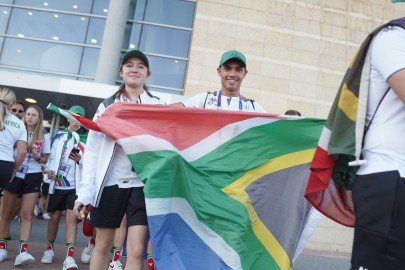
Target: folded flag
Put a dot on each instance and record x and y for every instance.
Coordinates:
(224, 190)
(337, 157)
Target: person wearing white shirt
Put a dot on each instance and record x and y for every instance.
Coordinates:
(232, 71)
(109, 183)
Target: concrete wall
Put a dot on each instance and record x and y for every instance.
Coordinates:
(297, 53)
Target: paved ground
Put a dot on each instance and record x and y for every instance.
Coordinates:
(309, 260)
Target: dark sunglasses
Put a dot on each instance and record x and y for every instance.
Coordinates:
(15, 110)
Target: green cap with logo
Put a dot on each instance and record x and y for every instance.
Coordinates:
(137, 54)
(78, 109)
(233, 55)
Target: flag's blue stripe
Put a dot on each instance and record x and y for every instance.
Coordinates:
(180, 248)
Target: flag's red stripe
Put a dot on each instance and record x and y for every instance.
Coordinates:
(321, 171)
(330, 199)
(81, 147)
(87, 122)
(168, 122)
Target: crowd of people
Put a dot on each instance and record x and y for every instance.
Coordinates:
(102, 176)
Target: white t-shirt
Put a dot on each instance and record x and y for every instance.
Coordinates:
(14, 130)
(209, 100)
(120, 169)
(384, 146)
(43, 146)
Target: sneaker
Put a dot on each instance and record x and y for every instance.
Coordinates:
(40, 216)
(115, 265)
(86, 253)
(36, 210)
(151, 263)
(24, 258)
(3, 254)
(69, 264)
(46, 215)
(48, 256)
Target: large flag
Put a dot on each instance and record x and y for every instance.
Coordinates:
(224, 190)
(337, 157)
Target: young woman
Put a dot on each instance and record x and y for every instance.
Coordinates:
(106, 167)
(27, 181)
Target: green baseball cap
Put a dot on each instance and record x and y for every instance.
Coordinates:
(78, 109)
(232, 55)
(398, 1)
(137, 54)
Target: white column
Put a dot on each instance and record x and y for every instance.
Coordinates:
(110, 53)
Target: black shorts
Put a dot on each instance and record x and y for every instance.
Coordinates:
(45, 189)
(62, 199)
(31, 184)
(114, 203)
(6, 171)
(379, 233)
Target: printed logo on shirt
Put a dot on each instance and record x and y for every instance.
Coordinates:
(12, 123)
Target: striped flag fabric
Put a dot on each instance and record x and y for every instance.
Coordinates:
(338, 154)
(73, 116)
(223, 190)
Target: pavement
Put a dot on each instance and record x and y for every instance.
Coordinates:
(308, 260)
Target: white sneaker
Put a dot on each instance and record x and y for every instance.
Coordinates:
(3, 254)
(46, 215)
(69, 263)
(36, 210)
(48, 256)
(115, 265)
(23, 258)
(86, 253)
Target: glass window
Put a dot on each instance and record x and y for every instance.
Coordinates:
(4, 17)
(43, 56)
(166, 72)
(89, 62)
(82, 6)
(162, 40)
(1, 45)
(48, 25)
(95, 31)
(100, 7)
(170, 12)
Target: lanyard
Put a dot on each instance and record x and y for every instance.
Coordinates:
(219, 101)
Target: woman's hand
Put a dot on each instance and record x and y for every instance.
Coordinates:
(76, 157)
(36, 156)
(78, 210)
(51, 174)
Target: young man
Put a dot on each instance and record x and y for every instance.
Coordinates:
(379, 188)
(65, 170)
(232, 71)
